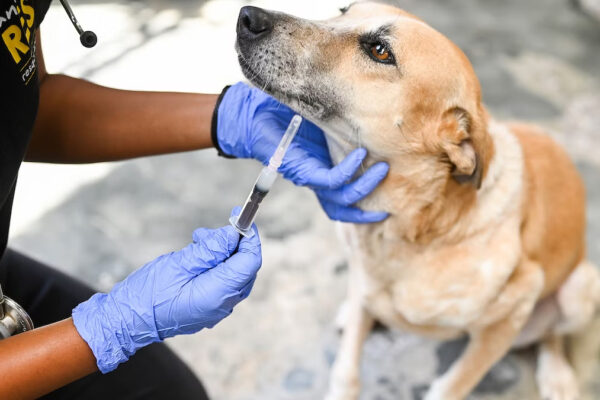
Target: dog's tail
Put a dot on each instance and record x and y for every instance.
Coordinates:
(584, 345)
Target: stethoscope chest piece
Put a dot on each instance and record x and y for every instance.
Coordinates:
(87, 38)
(13, 318)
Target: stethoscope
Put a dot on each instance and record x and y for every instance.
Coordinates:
(87, 38)
(13, 318)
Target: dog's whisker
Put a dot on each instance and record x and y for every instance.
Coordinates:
(359, 139)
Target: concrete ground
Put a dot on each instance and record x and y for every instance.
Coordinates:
(537, 60)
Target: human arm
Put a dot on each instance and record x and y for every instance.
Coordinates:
(81, 122)
(38, 361)
(178, 293)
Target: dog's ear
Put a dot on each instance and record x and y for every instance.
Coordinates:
(455, 135)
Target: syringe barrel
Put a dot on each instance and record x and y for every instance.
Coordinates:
(266, 178)
(246, 218)
(287, 138)
(243, 222)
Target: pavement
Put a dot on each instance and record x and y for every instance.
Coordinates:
(537, 60)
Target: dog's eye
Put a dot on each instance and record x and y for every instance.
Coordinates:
(379, 52)
(344, 10)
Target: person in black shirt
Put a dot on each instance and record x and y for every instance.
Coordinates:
(59, 119)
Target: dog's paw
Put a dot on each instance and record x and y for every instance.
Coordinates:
(557, 381)
(439, 391)
(343, 387)
(560, 389)
(342, 393)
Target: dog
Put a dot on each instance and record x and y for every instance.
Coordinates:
(485, 234)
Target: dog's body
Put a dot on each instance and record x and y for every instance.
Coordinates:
(486, 227)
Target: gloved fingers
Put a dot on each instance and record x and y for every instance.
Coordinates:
(210, 248)
(241, 267)
(302, 155)
(333, 178)
(268, 127)
(309, 142)
(235, 211)
(245, 291)
(239, 295)
(357, 190)
(303, 168)
(351, 214)
(311, 133)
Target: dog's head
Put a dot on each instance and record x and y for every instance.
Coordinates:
(374, 76)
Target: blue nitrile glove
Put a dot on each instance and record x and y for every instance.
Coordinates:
(178, 293)
(249, 123)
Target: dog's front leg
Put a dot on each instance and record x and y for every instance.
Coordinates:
(485, 348)
(345, 380)
(487, 344)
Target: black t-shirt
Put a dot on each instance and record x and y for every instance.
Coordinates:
(19, 94)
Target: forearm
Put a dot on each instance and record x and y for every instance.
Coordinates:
(39, 361)
(81, 122)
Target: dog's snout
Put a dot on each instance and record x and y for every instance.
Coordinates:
(254, 23)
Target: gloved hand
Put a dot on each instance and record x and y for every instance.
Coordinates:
(249, 124)
(178, 293)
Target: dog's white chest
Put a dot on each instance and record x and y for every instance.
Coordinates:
(447, 293)
(451, 286)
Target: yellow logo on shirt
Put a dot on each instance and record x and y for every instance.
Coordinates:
(16, 25)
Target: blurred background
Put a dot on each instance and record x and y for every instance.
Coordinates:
(538, 60)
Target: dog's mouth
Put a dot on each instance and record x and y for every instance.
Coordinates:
(255, 78)
(298, 100)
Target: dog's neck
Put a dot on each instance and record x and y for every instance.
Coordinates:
(426, 204)
(412, 184)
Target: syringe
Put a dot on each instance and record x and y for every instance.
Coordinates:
(243, 222)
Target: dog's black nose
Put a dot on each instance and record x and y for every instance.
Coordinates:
(254, 22)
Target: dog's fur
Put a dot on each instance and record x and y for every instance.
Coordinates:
(486, 229)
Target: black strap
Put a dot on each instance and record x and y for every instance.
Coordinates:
(215, 121)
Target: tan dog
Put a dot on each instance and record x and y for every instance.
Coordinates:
(486, 227)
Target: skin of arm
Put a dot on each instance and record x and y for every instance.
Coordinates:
(81, 122)
(39, 361)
